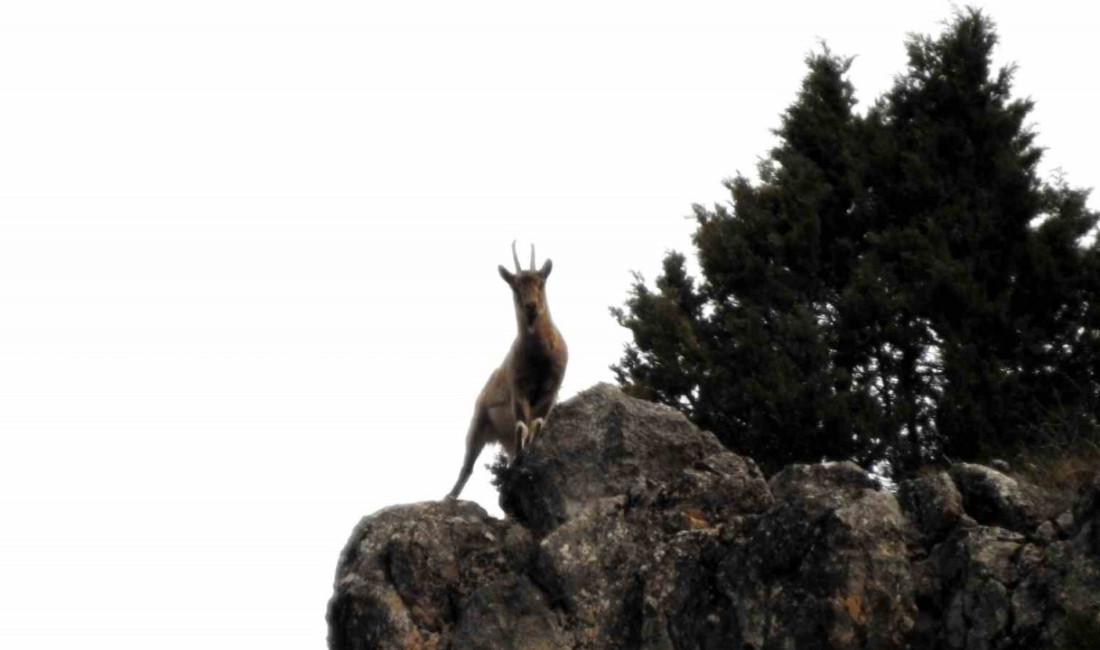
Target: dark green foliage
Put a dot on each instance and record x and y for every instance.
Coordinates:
(899, 285)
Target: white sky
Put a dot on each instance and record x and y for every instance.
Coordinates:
(248, 259)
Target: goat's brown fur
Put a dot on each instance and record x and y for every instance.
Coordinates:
(514, 404)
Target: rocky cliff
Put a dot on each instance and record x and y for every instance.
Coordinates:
(630, 528)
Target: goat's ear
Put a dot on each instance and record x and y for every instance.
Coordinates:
(545, 270)
(504, 273)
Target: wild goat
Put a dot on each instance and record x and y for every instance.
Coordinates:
(513, 406)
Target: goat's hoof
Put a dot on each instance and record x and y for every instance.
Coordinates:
(536, 427)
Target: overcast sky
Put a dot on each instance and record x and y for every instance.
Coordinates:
(248, 258)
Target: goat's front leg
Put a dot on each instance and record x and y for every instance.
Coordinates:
(540, 411)
(522, 410)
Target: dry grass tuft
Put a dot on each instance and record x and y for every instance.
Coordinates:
(1064, 471)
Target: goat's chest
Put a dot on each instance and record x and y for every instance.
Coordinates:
(536, 369)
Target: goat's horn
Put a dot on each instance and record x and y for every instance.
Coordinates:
(515, 258)
(532, 257)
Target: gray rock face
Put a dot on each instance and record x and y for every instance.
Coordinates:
(602, 443)
(630, 528)
(406, 569)
(996, 499)
(934, 504)
(827, 567)
(1086, 518)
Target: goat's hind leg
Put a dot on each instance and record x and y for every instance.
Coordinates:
(475, 442)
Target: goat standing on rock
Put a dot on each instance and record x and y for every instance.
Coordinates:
(513, 406)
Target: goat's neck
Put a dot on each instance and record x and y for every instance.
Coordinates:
(536, 336)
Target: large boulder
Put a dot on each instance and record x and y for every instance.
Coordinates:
(975, 570)
(427, 575)
(602, 443)
(827, 567)
(934, 504)
(996, 499)
(630, 528)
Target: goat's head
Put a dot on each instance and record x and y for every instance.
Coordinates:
(528, 288)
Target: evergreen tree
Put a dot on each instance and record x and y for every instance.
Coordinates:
(897, 286)
(752, 353)
(959, 195)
